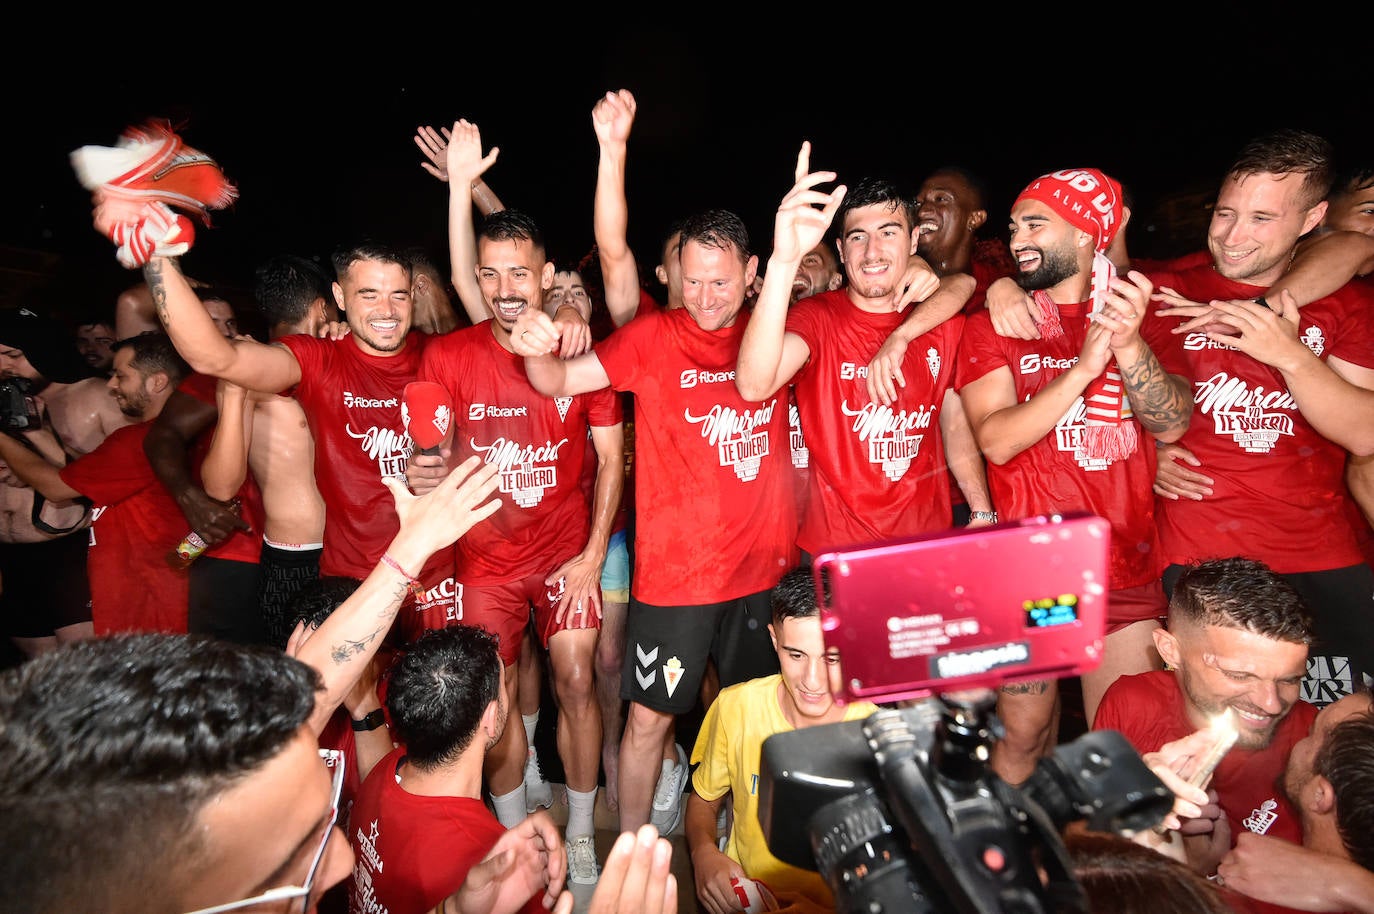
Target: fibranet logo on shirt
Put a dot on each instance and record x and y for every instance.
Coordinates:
(479, 411)
(849, 371)
(1034, 362)
(691, 377)
(353, 401)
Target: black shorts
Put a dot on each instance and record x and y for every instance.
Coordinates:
(222, 600)
(666, 649)
(1341, 601)
(43, 586)
(284, 572)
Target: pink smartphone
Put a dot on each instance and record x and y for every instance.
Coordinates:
(967, 608)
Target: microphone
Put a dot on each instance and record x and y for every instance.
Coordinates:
(427, 414)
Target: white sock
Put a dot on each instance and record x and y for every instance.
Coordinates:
(531, 724)
(510, 807)
(581, 813)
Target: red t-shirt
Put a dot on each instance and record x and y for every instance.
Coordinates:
(1053, 475)
(353, 403)
(715, 517)
(1148, 709)
(242, 545)
(1273, 475)
(541, 445)
(876, 472)
(136, 524)
(414, 851)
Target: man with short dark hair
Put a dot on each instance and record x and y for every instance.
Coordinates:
(136, 522)
(159, 774)
(1235, 645)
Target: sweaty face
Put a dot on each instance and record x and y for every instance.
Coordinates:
(129, 386)
(714, 283)
(810, 673)
(1256, 224)
(1352, 209)
(377, 305)
(568, 289)
(945, 208)
(93, 341)
(819, 269)
(1258, 678)
(1299, 771)
(875, 247)
(1045, 246)
(513, 275)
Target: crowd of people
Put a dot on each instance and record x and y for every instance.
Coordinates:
(411, 503)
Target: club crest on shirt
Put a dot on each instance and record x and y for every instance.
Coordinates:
(933, 361)
(562, 403)
(1260, 820)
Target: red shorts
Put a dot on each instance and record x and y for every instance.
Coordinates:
(504, 610)
(1136, 604)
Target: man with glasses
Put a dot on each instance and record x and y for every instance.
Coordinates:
(160, 774)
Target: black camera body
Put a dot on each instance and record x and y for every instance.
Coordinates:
(899, 812)
(18, 409)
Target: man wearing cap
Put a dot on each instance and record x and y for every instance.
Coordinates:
(46, 596)
(1062, 422)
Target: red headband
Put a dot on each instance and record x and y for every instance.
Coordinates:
(1086, 198)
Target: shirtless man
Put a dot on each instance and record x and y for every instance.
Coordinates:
(46, 596)
(272, 439)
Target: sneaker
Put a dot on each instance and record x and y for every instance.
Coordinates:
(667, 811)
(538, 792)
(582, 866)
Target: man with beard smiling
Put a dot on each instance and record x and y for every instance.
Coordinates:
(350, 390)
(1069, 422)
(136, 522)
(546, 546)
(1236, 643)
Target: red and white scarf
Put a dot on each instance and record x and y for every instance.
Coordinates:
(1090, 201)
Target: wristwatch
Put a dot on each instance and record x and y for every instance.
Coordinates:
(989, 516)
(371, 721)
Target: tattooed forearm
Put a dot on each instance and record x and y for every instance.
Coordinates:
(1158, 399)
(342, 653)
(153, 272)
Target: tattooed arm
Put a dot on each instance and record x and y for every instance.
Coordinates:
(347, 641)
(1162, 402)
(246, 362)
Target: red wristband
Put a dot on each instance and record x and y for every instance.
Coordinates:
(412, 583)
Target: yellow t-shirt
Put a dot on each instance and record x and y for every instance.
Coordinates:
(727, 752)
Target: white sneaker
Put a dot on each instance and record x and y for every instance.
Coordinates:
(667, 810)
(582, 866)
(538, 791)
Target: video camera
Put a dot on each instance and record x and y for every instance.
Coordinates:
(900, 811)
(18, 409)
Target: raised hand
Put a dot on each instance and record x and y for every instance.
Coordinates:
(800, 224)
(612, 117)
(465, 160)
(435, 149)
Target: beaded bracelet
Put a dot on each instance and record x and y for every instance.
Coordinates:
(412, 583)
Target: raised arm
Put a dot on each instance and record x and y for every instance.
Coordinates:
(225, 466)
(465, 165)
(344, 645)
(768, 355)
(435, 149)
(254, 365)
(612, 117)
